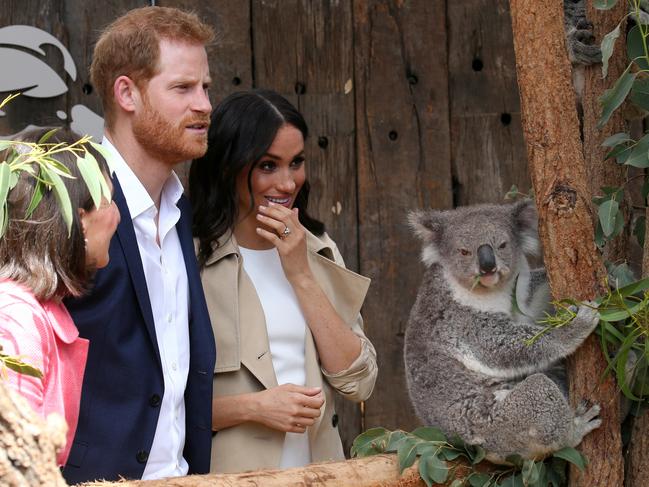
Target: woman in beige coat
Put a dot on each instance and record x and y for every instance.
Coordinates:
(284, 309)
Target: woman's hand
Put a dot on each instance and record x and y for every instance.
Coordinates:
(289, 237)
(289, 407)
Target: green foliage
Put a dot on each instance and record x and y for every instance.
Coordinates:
(17, 365)
(39, 161)
(435, 451)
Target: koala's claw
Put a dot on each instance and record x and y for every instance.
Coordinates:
(589, 414)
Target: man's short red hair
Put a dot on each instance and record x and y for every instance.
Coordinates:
(130, 46)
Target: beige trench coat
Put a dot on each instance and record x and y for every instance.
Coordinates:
(244, 364)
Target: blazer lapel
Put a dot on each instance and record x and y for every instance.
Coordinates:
(128, 242)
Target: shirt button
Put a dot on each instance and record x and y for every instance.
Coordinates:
(169, 318)
(174, 366)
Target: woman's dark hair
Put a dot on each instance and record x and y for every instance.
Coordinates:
(243, 127)
(36, 251)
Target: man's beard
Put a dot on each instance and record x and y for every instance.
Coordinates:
(168, 142)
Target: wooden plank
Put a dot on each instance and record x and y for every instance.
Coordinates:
(84, 22)
(488, 151)
(229, 56)
(45, 15)
(303, 49)
(403, 163)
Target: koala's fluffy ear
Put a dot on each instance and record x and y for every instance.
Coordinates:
(428, 226)
(526, 225)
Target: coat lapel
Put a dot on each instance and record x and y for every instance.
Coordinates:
(246, 340)
(128, 242)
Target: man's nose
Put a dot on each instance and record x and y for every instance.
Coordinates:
(202, 102)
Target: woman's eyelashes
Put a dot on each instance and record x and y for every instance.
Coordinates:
(270, 166)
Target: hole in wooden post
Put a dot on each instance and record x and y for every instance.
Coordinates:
(505, 118)
(393, 135)
(236, 81)
(477, 64)
(86, 88)
(323, 142)
(300, 88)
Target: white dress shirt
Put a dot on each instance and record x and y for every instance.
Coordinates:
(286, 328)
(166, 280)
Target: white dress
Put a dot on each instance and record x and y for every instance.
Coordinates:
(286, 334)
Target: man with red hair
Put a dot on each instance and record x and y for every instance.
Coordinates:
(146, 397)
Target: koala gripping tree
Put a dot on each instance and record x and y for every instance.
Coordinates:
(563, 196)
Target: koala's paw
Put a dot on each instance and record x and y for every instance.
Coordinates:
(587, 316)
(586, 420)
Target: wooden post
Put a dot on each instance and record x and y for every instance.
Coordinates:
(557, 167)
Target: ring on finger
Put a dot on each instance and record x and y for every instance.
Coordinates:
(285, 233)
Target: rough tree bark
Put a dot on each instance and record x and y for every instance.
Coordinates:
(601, 172)
(28, 444)
(562, 192)
(637, 455)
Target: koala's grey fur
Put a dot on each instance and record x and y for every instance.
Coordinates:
(468, 369)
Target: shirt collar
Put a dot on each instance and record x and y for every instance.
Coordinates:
(137, 197)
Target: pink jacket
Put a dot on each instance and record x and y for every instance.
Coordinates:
(44, 335)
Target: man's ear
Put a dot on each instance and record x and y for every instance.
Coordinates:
(126, 93)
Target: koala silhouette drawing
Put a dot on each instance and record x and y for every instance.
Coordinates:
(468, 369)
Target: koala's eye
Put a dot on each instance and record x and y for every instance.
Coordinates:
(464, 251)
(502, 245)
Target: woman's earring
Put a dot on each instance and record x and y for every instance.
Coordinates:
(85, 244)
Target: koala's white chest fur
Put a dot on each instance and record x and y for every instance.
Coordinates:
(499, 301)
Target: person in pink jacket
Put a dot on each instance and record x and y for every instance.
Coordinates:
(40, 263)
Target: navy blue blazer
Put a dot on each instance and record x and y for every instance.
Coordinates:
(123, 383)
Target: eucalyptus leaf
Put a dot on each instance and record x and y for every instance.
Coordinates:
(37, 196)
(457, 483)
(407, 453)
(90, 173)
(621, 274)
(616, 139)
(46, 136)
(17, 365)
(621, 152)
(394, 439)
(613, 97)
(573, 456)
(639, 95)
(479, 455)
(430, 434)
(479, 480)
(608, 43)
(604, 4)
(371, 442)
(6, 143)
(61, 193)
(634, 288)
(531, 472)
(513, 480)
(635, 48)
(607, 213)
(638, 156)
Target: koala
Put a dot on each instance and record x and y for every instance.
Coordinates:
(468, 369)
(582, 48)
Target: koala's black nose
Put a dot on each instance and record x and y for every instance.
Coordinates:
(486, 259)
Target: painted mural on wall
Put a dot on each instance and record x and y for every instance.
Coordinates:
(36, 79)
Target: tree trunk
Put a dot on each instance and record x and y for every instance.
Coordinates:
(600, 172)
(28, 444)
(374, 471)
(637, 455)
(563, 198)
